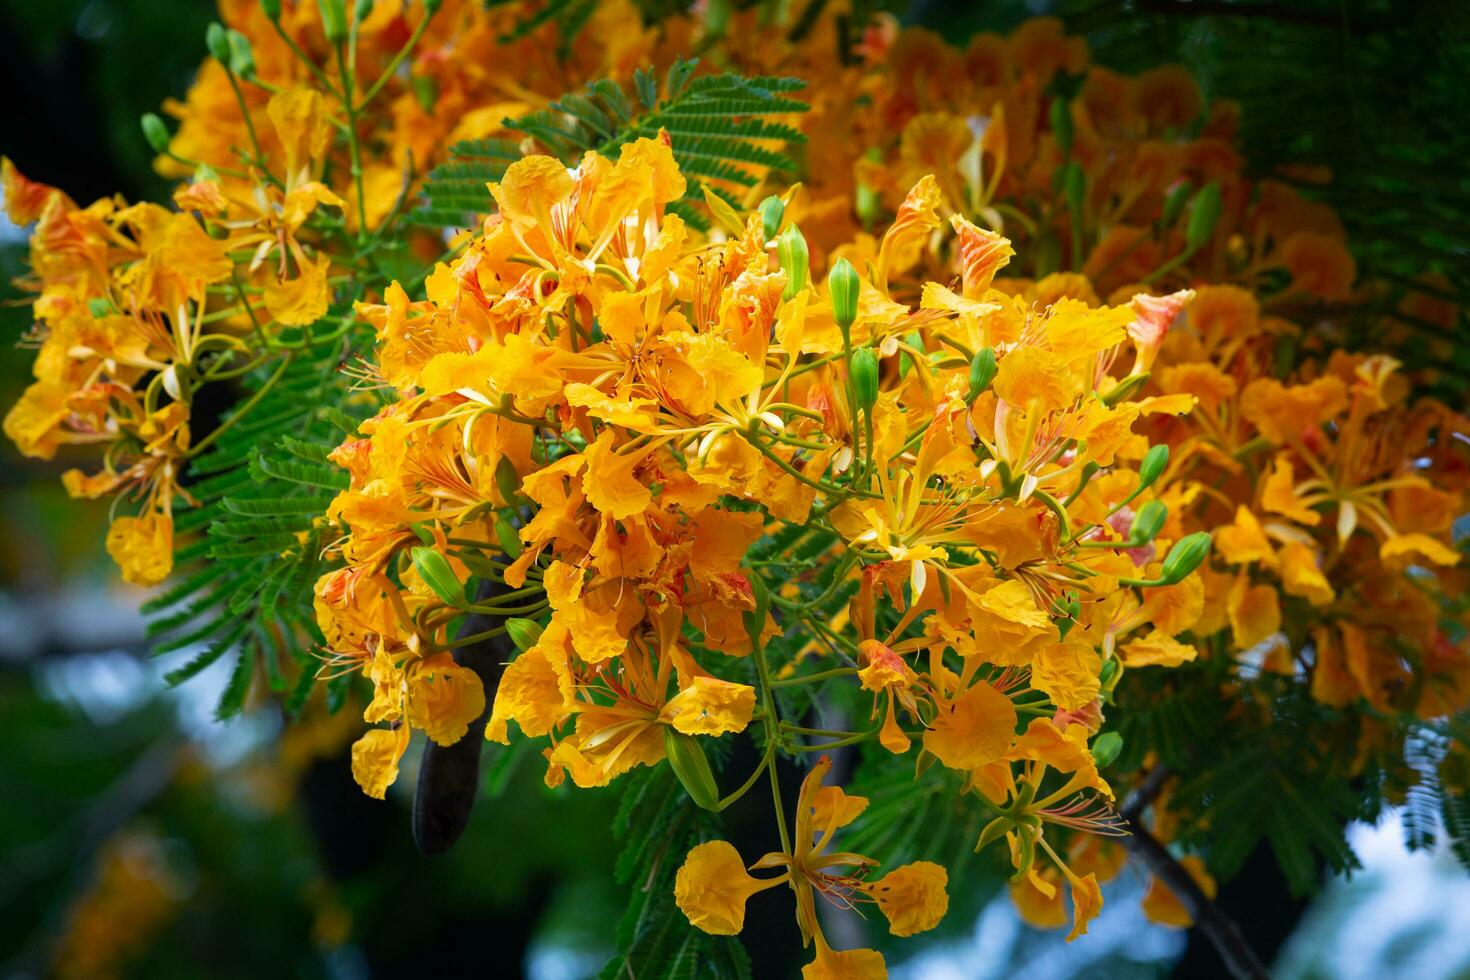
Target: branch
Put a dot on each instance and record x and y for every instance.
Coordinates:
(1209, 918)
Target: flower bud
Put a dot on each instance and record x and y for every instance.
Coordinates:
(242, 59)
(155, 132)
(1152, 467)
(334, 20)
(1106, 747)
(1204, 214)
(361, 10)
(271, 9)
(772, 211)
(434, 569)
(792, 253)
(1061, 124)
(509, 538)
(218, 43)
(843, 287)
(1185, 557)
(431, 7)
(425, 90)
(523, 632)
(507, 480)
(1148, 522)
(982, 372)
(1174, 203)
(864, 369)
(1109, 671)
(99, 307)
(687, 759)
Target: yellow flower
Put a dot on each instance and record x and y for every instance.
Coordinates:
(712, 887)
(143, 547)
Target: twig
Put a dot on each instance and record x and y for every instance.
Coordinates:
(1217, 927)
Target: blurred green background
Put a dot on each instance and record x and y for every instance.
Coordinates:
(140, 837)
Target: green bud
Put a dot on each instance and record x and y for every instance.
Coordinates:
(425, 90)
(866, 204)
(507, 480)
(523, 632)
(772, 211)
(795, 261)
(361, 10)
(1061, 124)
(1185, 556)
(271, 9)
(1106, 747)
(982, 372)
(1204, 215)
(864, 369)
(1109, 671)
(1148, 522)
(687, 759)
(1174, 203)
(434, 569)
(155, 132)
(843, 287)
(242, 59)
(1153, 465)
(334, 20)
(99, 307)
(509, 538)
(431, 7)
(217, 40)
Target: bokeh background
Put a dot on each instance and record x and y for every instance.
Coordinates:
(141, 837)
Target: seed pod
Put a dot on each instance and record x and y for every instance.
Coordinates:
(687, 759)
(1174, 203)
(772, 211)
(271, 9)
(509, 538)
(334, 20)
(1061, 124)
(795, 262)
(218, 43)
(982, 372)
(1204, 214)
(843, 287)
(1105, 748)
(865, 377)
(155, 132)
(523, 632)
(242, 58)
(1152, 467)
(434, 569)
(1185, 556)
(1148, 522)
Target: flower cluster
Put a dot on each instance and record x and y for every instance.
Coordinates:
(600, 414)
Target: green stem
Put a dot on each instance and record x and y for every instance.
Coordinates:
(773, 736)
(813, 678)
(244, 410)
